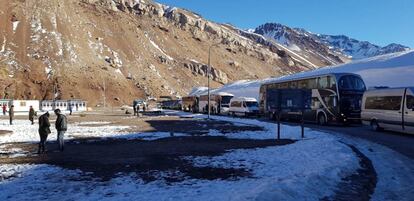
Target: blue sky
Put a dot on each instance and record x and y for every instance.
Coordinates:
(378, 21)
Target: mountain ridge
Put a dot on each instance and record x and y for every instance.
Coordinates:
(342, 44)
(128, 49)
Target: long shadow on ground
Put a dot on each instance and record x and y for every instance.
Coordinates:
(149, 160)
(199, 126)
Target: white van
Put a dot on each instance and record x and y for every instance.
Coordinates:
(243, 106)
(390, 108)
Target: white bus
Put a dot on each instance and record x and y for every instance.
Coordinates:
(389, 108)
(244, 106)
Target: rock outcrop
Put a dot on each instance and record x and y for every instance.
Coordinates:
(134, 48)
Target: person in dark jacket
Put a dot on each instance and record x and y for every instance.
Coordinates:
(11, 114)
(61, 125)
(135, 109)
(70, 109)
(44, 131)
(31, 114)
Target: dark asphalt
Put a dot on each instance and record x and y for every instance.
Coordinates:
(402, 143)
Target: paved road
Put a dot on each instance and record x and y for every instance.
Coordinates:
(402, 143)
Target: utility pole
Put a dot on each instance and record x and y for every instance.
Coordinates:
(208, 77)
(54, 95)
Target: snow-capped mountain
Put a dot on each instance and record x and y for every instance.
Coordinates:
(140, 48)
(358, 49)
(298, 39)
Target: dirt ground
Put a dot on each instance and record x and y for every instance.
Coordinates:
(149, 160)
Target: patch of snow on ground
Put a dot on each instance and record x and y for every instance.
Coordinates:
(309, 169)
(24, 132)
(94, 123)
(15, 25)
(3, 46)
(305, 170)
(158, 48)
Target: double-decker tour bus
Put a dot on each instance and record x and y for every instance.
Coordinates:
(323, 98)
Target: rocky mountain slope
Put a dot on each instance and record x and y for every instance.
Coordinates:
(130, 49)
(299, 40)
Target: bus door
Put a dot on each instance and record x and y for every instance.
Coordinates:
(409, 112)
(309, 114)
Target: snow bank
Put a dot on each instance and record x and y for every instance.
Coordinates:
(24, 132)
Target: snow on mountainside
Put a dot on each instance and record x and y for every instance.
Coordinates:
(299, 42)
(140, 48)
(298, 39)
(358, 49)
(393, 70)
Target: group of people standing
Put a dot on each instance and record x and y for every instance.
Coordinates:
(61, 126)
(44, 126)
(137, 109)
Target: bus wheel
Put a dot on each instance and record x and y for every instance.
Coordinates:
(321, 119)
(375, 126)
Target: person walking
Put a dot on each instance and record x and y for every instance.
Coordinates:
(44, 131)
(70, 109)
(61, 125)
(4, 109)
(31, 114)
(11, 114)
(135, 109)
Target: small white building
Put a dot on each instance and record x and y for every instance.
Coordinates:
(64, 105)
(78, 105)
(51, 105)
(22, 107)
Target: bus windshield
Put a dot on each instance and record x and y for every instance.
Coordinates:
(350, 82)
(225, 100)
(252, 104)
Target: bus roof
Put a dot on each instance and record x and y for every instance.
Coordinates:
(248, 99)
(305, 75)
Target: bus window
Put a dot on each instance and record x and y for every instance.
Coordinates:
(410, 102)
(323, 83)
(351, 82)
(303, 84)
(312, 83)
(332, 83)
(236, 104)
(293, 85)
(383, 103)
(284, 85)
